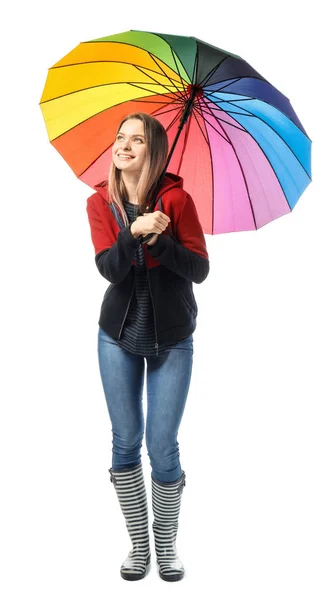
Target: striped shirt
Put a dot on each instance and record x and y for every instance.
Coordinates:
(138, 334)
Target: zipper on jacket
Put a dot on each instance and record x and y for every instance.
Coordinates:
(152, 301)
(121, 224)
(124, 319)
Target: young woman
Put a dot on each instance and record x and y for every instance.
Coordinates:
(148, 313)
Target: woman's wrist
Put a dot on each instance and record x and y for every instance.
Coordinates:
(133, 230)
(152, 237)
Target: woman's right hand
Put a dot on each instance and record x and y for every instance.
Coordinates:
(154, 222)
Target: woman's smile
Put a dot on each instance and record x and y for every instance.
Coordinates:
(124, 157)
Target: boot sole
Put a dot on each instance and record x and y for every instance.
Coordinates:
(174, 577)
(136, 576)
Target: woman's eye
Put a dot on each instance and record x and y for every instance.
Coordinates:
(137, 139)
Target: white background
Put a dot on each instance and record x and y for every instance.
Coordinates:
(256, 435)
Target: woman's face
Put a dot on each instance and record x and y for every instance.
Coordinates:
(129, 148)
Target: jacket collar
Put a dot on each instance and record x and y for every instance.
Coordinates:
(169, 182)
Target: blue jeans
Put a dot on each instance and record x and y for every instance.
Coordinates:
(168, 382)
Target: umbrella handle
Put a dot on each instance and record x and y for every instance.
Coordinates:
(146, 238)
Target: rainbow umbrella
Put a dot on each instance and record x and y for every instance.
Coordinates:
(234, 138)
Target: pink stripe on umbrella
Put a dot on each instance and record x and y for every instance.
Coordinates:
(246, 190)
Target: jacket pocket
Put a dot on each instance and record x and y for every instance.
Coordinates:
(108, 290)
(190, 307)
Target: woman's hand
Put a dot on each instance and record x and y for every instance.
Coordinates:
(153, 240)
(154, 222)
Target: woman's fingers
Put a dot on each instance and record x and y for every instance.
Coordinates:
(159, 220)
(160, 217)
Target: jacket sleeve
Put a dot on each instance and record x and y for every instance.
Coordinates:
(187, 257)
(113, 258)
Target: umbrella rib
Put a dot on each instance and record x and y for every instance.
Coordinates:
(104, 110)
(249, 114)
(151, 101)
(204, 111)
(173, 56)
(241, 168)
(211, 163)
(163, 85)
(247, 98)
(179, 75)
(195, 110)
(167, 104)
(176, 117)
(178, 93)
(187, 130)
(219, 119)
(158, 112)
(211, 73)
(211, 97)
(235, 80)
(195, 70)
(234, 112)
(231, 102)
(135, 84)
(120, 62)
(181, 79)
(140, 87)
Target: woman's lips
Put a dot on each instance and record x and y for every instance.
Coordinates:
(124, 156)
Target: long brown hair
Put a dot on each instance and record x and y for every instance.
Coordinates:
(157, 152)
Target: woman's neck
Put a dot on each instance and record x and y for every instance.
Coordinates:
(131, 181)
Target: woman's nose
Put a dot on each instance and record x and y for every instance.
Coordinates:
(125, 144)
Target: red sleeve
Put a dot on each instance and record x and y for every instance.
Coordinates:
(100, 238)
(113, 257)
(188, 229)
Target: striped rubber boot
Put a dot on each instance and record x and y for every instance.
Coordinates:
(166, 498)
(130, 488)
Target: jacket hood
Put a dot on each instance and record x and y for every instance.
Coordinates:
(169, 182)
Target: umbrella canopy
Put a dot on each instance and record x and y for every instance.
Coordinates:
(243, 154)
